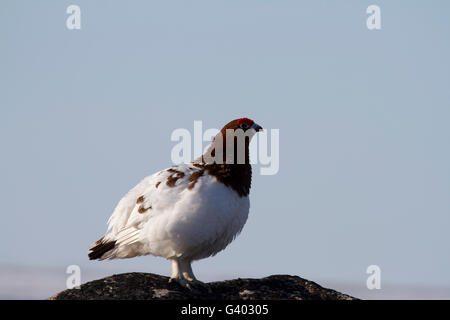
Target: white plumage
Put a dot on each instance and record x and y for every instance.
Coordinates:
(183, 213)
(182, 223)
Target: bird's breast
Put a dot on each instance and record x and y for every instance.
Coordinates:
(203, 221)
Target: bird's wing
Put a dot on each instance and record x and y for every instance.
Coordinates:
(153, 196)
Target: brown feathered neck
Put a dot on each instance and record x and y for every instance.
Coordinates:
(234, 174)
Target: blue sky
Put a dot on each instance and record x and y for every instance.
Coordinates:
(363, 117)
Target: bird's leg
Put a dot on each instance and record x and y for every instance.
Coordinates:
(177, 274)
(175, 270)
(183, 275)
(186, 269)
(188, 274)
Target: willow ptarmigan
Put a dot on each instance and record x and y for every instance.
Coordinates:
(187, 212)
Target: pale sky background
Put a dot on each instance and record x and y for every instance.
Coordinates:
(364, 134)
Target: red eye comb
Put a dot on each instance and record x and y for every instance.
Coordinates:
(247, 121)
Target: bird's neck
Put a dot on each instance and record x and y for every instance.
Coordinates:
(233, 170)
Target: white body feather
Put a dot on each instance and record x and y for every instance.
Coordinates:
(182, 223)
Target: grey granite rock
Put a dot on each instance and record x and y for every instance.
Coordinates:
(148, 286)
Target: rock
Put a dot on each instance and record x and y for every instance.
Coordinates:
(148, 286)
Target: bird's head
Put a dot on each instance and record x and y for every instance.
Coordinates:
(233, 141)
(244, 124)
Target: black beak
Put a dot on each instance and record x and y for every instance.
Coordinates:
(257, 127)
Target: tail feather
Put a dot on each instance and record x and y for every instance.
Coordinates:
(100, 248)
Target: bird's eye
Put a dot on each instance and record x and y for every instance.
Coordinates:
(244, 126)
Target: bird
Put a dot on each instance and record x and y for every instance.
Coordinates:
(186, 212)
